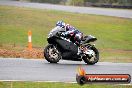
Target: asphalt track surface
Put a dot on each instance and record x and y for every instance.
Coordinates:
(86, 10)
(18, 69)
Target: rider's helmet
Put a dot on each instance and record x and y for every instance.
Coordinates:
(68, 27)
(61, 24)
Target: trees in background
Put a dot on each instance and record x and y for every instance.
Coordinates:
(102, 3)
(86, 2)
(44, 1)
(75, 2)
(112, 2)
(47, 1)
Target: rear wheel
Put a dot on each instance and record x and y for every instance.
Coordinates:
(93, 57)
(52, 54)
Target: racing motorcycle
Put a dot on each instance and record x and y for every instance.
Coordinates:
(62, 48)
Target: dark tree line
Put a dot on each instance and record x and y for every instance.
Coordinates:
(47, 1)
(99, 3)
(119, 2)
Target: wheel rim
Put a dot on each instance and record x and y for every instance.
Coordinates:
(92, 57)
(53, 53)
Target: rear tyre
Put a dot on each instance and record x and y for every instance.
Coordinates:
(52, 54)
(88, 59)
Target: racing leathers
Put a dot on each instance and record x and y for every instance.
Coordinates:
(73, 34)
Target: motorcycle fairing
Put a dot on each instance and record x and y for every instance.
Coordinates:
(88, 39)
(68, 49)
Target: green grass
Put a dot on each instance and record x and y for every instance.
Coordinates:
(116, 56)
(112, 32)
(56, 85)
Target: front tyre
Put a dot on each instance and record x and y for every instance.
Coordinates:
(52, 54)
(92, 59)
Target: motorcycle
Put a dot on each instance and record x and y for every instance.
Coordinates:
(62, 48)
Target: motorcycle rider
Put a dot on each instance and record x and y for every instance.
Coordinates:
(70, 32)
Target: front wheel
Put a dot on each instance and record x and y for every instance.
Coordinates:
(52, 54)
(92, 58)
